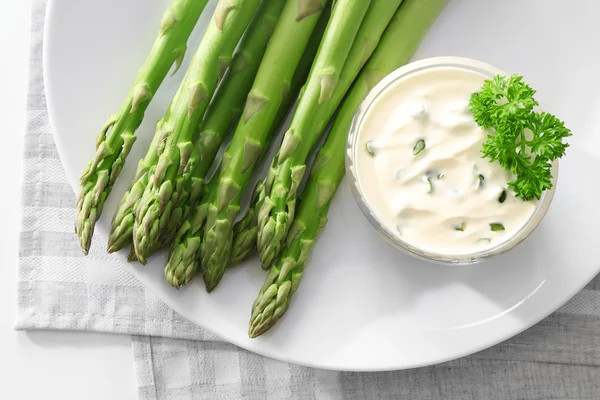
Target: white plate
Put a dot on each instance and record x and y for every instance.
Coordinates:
(363, 305)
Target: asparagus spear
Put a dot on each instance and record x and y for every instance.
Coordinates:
(118, 134)
(400, 40)
(171, 178)
(266, 105)
(223, 111)
(320, 101)
(245, 230)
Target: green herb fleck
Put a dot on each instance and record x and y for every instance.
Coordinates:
(460, 227)
(481, 179)
(507, 105)
(419, 147)
(428, 180)
(440, 175)
(502, 197)
(496, 227)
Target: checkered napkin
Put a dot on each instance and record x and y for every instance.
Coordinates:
(60, 289)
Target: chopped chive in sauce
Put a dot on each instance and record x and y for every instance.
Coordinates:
(440, 175)
(427, 180)
(460, 227)
(496, 227)
(419, 147)
(370, 149)
(502, 197)
(481, 179)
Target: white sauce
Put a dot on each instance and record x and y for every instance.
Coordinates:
(435, 200)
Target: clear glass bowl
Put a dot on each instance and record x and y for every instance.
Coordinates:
(351, 168)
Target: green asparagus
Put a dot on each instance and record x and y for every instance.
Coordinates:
(245, 230)
(275, 82)
(116, 138)
(312, 116)
(400, 40)
(223, 111)
(171, 178)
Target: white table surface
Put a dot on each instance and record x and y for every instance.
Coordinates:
(41, 364)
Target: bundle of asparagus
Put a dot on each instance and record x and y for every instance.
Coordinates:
(270, 214)
(171, 179)
(222, 112)
(329, 81)
(285, 45)
(401, 38)
(266, 105)
(218, 235)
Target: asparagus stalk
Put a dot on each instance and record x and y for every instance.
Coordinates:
(223, 111)
(400, 40)
(267, 103)
(171, 179)
(116, 138)
(325, 90)
(245, 230)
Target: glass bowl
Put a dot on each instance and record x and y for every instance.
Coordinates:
(481, 68)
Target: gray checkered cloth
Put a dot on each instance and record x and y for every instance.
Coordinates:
(60, 289)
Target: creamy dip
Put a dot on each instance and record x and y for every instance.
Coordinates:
(420, 167)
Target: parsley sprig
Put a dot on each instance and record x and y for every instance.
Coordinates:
(523, 141)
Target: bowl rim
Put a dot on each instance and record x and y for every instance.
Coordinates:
(368, 211)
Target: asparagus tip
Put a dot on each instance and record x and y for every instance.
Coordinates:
(84, 243)
(111, 246)
(257, 330)
(210, 282)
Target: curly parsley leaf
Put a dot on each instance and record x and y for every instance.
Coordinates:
(502, 98)
(523, 141)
